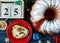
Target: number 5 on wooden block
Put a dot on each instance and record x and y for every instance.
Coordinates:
(5, 10)
(16, 11)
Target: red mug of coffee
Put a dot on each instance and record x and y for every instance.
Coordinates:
(22, 23)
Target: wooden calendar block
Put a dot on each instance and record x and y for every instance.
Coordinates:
(12, 9)
(16, 11)
(5, 10)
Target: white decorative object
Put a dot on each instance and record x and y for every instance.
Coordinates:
(48, 41)
(39, 41)
(6, 40)
(40, 12)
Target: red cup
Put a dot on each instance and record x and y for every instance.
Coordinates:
(22, 23)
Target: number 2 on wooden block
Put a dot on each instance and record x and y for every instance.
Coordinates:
(5, 10)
